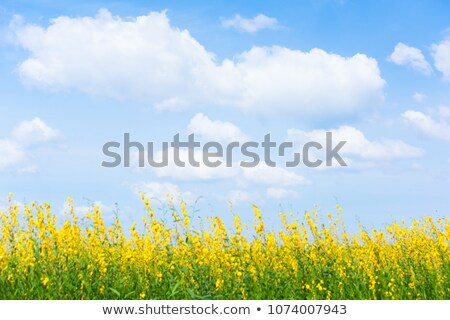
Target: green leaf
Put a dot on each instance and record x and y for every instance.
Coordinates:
(116, 292)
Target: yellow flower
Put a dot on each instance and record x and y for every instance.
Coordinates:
(45, 280)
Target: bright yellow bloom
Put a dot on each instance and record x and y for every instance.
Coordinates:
(175, 256)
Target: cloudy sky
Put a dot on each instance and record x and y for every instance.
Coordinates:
(78, 74)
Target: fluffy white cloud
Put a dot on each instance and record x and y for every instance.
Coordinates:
(437, 129)
(211, 130)
(412, 57)
(147, 58)
(33, 132)
(261, 174)
(161, 190)
(142, 57)
(215, 130)
(253, 25)
(357, 144)
(282, 79)
(14, 149)
(281, 193)
(441, 55)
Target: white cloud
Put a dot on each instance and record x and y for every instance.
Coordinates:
(141, 57)
(281, 193)
(11, 153)
(357, 144)
(189, 172)
(147, 58)
(253, 25)
(441, 55)
(437, 129)
(405, 55)
(261, 174)
(272, 176)
(14, 150)
(215, 130)
(279, 79)
(419, 97)
(161, 190)
(33, 132)
(211, 130)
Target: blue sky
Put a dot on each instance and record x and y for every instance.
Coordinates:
(75, 74)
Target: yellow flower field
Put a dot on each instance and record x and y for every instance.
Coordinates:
(83, 258)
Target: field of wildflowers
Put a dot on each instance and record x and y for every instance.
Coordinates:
(83, 258)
